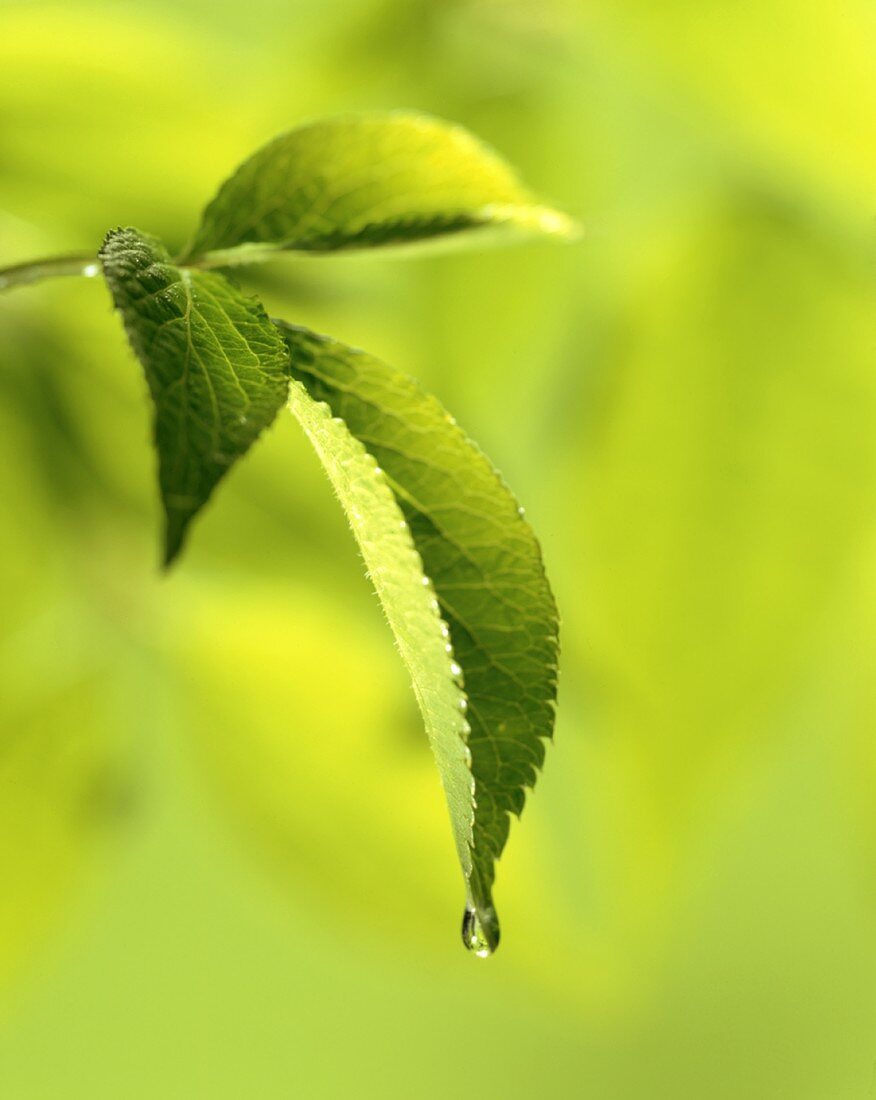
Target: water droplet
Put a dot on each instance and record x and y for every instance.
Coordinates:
(448, 648)
(403, 525)
(480, 933)
(90, 270)
(455, 670)
(445, 630)
(521, 511)
(425, 582)
(463, 704)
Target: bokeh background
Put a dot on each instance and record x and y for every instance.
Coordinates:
(225, 869)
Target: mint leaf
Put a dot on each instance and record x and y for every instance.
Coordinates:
(360, 181)
(435, 508)
(215, 365)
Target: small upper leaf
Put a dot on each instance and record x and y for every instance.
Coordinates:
(215, 365)
(359, 181)
(483, 564)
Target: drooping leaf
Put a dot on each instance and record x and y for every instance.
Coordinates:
(215, 365)
(360, 181)
(436, 523)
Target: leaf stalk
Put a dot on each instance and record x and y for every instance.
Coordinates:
(34, 271)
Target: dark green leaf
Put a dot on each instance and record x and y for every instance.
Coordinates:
(361, 181)
(444, 514)
(215, 365)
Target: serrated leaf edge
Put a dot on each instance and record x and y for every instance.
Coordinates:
(332, 423)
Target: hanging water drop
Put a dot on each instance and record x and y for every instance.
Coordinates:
(481, 937)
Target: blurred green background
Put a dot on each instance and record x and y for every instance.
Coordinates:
(225, 869)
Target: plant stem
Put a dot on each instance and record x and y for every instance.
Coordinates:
(33, 271)
(87, 264)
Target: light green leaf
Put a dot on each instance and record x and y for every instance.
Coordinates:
(360, 181)
(215, 365)
(460, 575)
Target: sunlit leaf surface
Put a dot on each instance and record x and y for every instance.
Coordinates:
(362, 181)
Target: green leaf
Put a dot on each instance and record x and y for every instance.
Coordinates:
(360, 181)
(215, 365)
(460, 576)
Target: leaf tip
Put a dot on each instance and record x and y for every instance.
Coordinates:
(175, 528)
(556, 223)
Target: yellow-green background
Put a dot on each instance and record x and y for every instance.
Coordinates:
(224, 865)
